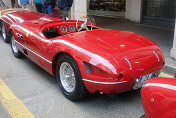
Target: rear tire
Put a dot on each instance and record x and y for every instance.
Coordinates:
(4, 35)
(69, 78)
(16, 52)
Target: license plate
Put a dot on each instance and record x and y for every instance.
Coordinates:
(138, 84)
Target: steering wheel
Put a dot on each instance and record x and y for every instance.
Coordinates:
(85, 24)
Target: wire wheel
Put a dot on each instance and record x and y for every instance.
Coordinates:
(14, 47)
(3, 31)
(67, 77)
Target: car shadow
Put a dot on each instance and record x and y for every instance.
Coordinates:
(127, 104)
(45, 76)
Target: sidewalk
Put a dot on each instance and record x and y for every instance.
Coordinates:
(163, 37)
(162, 74)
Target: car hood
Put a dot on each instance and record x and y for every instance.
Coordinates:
(113, 50)
(118, 43)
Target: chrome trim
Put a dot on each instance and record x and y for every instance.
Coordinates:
(34, 52)
(128, 63)
(14, 47)
(104, 82)
(156, 55)
(67, 77)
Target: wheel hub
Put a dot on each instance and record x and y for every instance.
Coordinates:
(14, 47)
(67, 77)
(3, 32)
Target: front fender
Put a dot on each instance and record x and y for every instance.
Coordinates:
(81, 55)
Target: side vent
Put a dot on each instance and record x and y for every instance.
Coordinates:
(88, 67)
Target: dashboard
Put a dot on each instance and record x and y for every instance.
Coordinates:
(53, 30)
(66, 28)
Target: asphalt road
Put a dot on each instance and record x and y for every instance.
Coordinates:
(40, 94)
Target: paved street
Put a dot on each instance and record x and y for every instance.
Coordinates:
(40, 94)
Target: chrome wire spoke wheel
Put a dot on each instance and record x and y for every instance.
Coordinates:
(13, 43)
(67, 77)
(14, 47)
(3, 30)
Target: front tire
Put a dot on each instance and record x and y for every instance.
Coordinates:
(16, 52)
(4, 35)
(69, 78)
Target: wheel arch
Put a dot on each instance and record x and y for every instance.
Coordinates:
(79, 90)
(54, 61)
(0, 21)
(1, 24)
(10, 31)
(7, 26)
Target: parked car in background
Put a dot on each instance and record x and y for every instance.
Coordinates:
(159, 98)
(106, 5)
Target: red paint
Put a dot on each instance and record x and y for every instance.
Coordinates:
(158, 98)
(105, 50)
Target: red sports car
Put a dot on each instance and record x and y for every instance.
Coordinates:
(159, 98)
(82, 56)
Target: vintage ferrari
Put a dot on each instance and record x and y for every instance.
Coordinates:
(82, 56)
(159, 98)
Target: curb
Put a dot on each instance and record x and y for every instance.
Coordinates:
(168, 71)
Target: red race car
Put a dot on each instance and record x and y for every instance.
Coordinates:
(159, 98)
(82, 56)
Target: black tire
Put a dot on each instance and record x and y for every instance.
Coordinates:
(4, 35)
(79, 90)
(16, 52)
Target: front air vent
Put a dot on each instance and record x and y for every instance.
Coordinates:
(88, 67)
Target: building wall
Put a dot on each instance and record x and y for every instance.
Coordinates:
(8, 3)
(79, 9)
(133, 10)
(173, 50)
